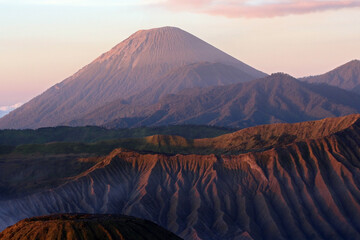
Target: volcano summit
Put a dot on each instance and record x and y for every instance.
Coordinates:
(134, 65)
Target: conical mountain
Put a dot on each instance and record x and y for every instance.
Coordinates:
(129, 68)
(346, 76)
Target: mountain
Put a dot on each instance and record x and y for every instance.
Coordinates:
(346, 76)
(276, 98)
(288, 181)
(86, 227)
(141, 61)
(203, 74)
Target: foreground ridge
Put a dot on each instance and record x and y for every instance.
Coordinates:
(302, 189)
(86, 226)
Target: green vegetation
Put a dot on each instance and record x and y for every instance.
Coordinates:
(29, 168)
(100, 148)
(25, 174)
(95, 134)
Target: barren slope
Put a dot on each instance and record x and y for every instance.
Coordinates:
(273, 135)
(305, 189)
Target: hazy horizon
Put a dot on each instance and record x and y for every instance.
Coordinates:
(44, 42)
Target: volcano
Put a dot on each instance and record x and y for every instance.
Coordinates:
(137, 63)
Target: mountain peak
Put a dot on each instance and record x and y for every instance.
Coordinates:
(141, 39)
(355, 61)
(167, 30)
(281, 75)
(280, 78)
(159, 30)
(166, 47)
(346, 76)
(353, 64)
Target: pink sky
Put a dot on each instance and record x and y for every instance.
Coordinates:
(44, 41)
(258, 8)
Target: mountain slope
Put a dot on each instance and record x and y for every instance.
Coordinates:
(346, 76)
(303, 189)
(277, 98)
(86, 227)
(202, 74)
(127, 69)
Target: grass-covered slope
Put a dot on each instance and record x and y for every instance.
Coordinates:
(95, 134)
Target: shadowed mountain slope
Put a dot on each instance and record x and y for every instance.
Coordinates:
(346, 76)
(86, 227)
(190, 76)
(129, 68)
(304, 188)
(274, 99)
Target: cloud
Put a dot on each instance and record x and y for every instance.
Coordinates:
(84, 3)
(258, 8)
(6, 109)
(228, 8)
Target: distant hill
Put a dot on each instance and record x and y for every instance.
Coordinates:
(346, 76)
(274, 99)
(145, 59)
(86, 227)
